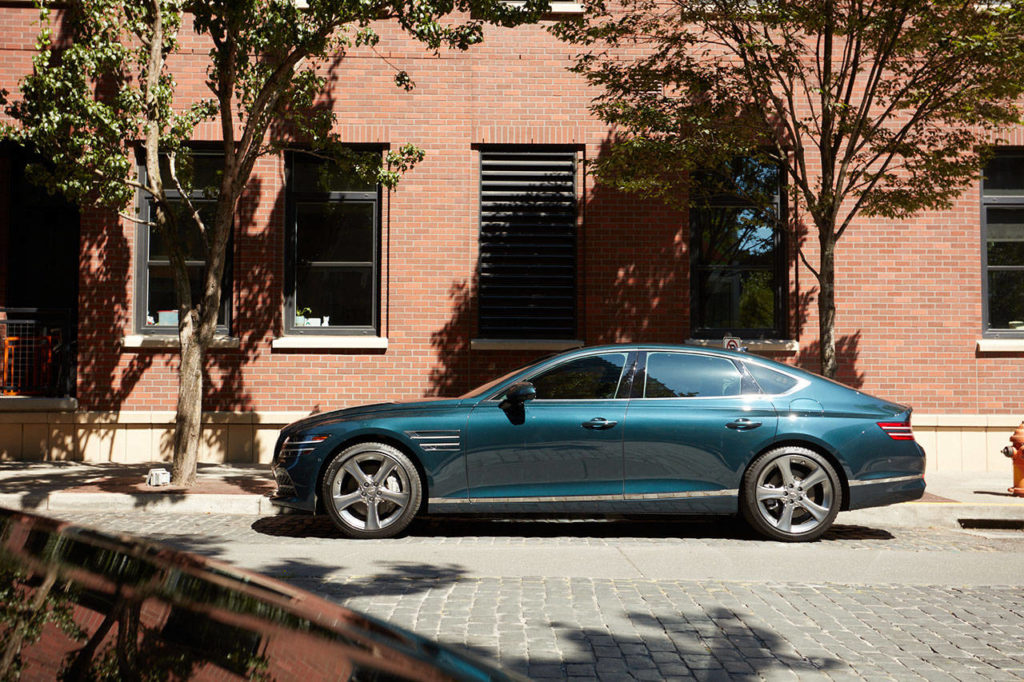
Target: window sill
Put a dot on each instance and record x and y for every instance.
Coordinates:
(525, 344)
(753, 345)
(168, 342)
(1001, 345)
(16, 403)
(556, 7)
(317, 342)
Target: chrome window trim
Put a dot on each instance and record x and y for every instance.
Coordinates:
(625, 367)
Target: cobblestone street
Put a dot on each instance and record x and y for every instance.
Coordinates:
(578, 627)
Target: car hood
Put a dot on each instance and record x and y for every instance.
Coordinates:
(374, 411)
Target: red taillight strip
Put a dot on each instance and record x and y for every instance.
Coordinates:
(897, 430)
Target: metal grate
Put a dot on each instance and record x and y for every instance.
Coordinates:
(527, 244)
(34, 357)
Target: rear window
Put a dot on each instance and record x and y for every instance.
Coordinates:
(771, 382)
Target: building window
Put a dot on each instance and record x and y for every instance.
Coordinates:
(1002, 211)
(333, 250)
(158, 312)
(527, 269)
(738, 263)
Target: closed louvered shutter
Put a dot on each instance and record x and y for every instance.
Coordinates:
(527, 244)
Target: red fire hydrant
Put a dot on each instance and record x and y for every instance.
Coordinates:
(1016, 453)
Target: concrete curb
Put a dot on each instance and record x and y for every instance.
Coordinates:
(157, 503)
(929, 514)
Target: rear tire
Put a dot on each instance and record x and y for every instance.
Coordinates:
(791, 494)
(371, 490)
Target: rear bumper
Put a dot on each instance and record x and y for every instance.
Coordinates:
(878, 492)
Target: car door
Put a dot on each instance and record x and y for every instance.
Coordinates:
(694, 423)
(566, 442)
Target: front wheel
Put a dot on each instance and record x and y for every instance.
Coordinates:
(791, 494)
(371, 490)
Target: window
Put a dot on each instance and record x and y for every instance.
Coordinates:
(738, 263)
(680, 375)
(1002, 197)
(594, 377)
(158, 309)
(770, 381)
(333, 250)
(527, 243)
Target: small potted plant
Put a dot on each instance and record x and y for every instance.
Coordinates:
(300, 316)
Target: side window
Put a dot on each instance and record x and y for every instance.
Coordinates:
(595, 377)
(683, 375)
(771, 382)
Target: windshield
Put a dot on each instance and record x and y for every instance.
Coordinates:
(480, 390)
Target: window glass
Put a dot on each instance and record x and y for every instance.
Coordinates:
(771, 382)
(682, 375)
(1003, 199)
(311, 174)
(595, 377)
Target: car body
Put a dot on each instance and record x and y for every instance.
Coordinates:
(623, 429)
(81, 604)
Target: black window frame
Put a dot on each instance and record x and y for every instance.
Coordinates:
(143, 262)
(293, 197)
(780, 266)
(495, 319)
(996, 200)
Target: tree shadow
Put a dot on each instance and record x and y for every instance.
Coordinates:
(847, 353)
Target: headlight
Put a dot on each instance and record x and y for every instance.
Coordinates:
(294, 446)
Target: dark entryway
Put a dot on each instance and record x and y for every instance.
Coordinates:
(39, 253)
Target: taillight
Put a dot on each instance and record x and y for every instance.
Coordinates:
(897, 430)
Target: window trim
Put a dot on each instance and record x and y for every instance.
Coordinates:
(292, 199)
(780, 267)
(142, 261)
(986, 202)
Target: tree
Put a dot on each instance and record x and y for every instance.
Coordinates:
(868, 107)
(102, 91)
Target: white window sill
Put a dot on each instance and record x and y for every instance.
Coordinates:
(557, 6)
(525, 344)
(324, 342)
(753, 345)
(17, 403)
(166, 341)
(1000, 345)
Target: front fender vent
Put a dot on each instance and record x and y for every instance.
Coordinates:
(437, 441)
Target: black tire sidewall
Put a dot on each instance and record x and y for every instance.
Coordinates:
(748, 496)
(411, 472)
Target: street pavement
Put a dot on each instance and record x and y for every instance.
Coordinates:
(877, 598)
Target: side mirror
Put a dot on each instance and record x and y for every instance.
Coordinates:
(518, 393)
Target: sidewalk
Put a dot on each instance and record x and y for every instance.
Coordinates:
(952, 500)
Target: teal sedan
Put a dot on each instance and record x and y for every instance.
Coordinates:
(625, 429)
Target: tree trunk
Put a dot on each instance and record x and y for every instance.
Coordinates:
(827, 303)
(189, 417)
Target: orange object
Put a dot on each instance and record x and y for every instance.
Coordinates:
(1016, 453)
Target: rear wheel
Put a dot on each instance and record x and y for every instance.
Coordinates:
(791, 494)
(371, 490)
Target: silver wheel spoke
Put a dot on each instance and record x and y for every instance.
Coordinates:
(814, 479)
(372, 519)
(786, 520)
(354, 470)
(397, 498)
(765, 493)
(386, 467)
(815, 510)
(345, 501)
(782, 464)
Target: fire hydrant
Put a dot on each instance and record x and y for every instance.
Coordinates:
(1016, 453)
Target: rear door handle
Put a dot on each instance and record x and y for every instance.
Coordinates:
(599, 424)
(742, 424)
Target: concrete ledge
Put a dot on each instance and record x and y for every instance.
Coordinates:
(16, 403)
(753, 345)
(167, 342)
(163, 503)
(1001, 345)
(930, 514)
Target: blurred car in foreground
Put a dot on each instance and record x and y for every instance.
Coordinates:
(76, 604)
(626, 429)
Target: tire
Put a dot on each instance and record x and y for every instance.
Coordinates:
(371, 490)
(791, 494)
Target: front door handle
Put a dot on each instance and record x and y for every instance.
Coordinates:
(599, 424)
(743, 424)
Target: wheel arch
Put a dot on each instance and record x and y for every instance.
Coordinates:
(382, 438)
(820, 449)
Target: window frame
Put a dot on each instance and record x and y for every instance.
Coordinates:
(292, 200)
(997, 201)
(780, 267)
(143, 262)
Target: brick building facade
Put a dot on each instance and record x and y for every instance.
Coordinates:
(913, 296)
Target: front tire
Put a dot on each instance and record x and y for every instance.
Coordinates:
(791, 494)
(371, 490)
